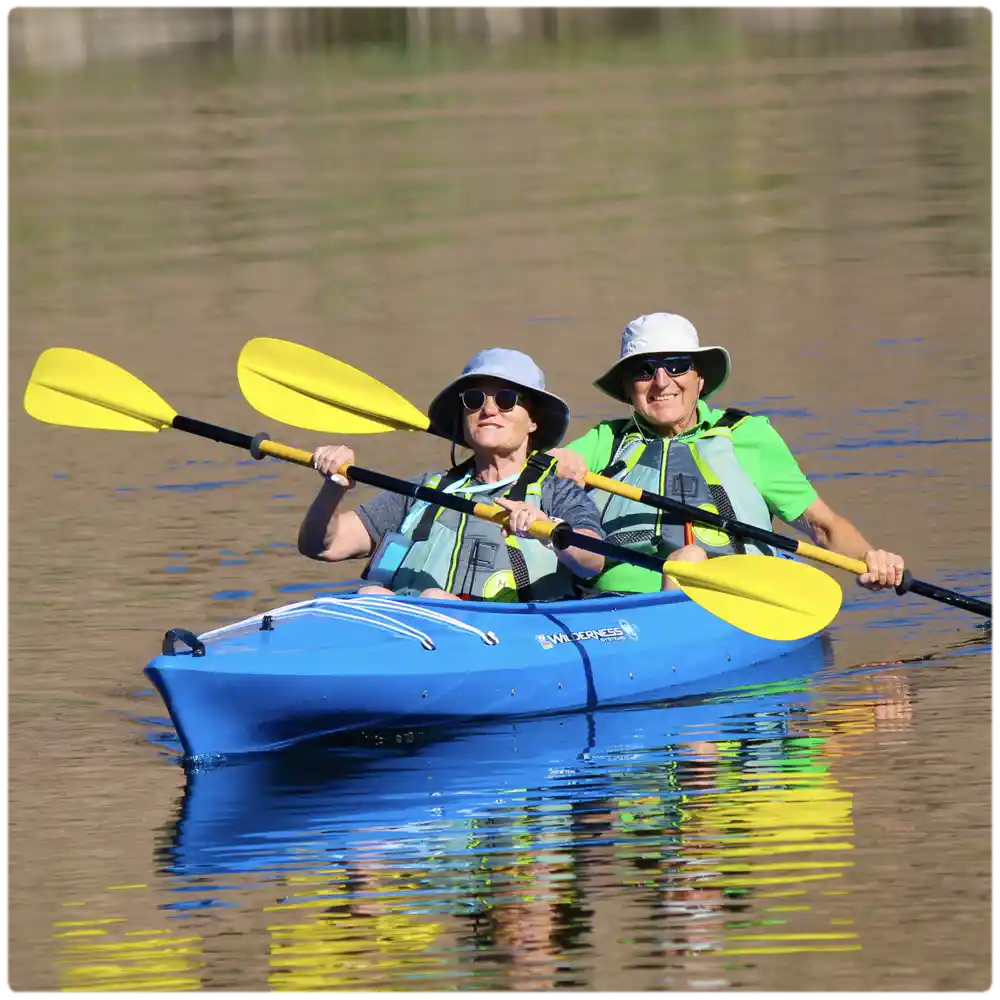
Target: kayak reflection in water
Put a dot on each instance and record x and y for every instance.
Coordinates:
(728, 461)
(499, 408)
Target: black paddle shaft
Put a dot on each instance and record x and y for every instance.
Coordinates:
(973, 604)
(733, 527)
(727, 524)
(563, 536)
(221, 434)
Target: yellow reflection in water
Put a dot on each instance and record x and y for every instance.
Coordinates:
(159, 961)
(785, 807)
(371, 941)
(758, 819)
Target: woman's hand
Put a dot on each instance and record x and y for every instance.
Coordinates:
(328, 458)
(522, 516)
(885, 569)
(571, 465)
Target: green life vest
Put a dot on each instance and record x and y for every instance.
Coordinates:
(468, 556)
(700, 470)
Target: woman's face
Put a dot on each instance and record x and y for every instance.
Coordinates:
(668, 403)
(496, 427)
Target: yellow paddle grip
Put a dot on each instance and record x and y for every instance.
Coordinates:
(540, 529)
(832, 558)
(613, 486)
(287, 453)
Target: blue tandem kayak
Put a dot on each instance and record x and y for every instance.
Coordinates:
(336, 664)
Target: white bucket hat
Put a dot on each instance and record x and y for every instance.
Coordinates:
(666, 333)
(547, 410)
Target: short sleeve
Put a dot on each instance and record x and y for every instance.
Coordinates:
(385, 512)
(562, 498)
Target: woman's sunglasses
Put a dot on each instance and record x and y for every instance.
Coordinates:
(475, 399)
(672, 364)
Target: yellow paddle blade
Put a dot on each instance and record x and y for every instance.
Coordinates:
(766, 596)
(304, 388)
(79, 389)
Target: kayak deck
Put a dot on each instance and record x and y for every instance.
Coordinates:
(334, 664)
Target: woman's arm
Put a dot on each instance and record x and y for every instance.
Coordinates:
(324, 533)
(581, 562)
(330, 536)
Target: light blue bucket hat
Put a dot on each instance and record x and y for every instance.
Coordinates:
(518, 370)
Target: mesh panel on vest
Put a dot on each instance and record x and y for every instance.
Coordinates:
(634, 538)
(721, 500)
(520, 570)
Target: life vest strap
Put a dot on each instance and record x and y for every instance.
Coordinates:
(731, 417)
(538, 466)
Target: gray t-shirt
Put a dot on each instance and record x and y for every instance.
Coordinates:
(560, 498)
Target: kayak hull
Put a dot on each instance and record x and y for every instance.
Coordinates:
(336, 664)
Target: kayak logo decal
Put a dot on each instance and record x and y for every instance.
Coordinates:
(629, 629)
(612, 633)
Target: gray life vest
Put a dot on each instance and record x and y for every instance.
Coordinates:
(701, 471)
(470, 557)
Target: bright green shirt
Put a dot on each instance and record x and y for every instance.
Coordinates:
(759, 449)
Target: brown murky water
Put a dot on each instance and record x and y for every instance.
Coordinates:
(824, 214)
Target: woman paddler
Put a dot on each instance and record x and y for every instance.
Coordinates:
(499, 408)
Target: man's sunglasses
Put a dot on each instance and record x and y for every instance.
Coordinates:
(673, 364)
(475, 399)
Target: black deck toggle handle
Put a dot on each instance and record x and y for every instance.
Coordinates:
(183, 635)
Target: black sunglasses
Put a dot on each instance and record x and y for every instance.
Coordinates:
(673, 364)
(475, 399)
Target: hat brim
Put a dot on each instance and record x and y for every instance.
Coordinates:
(548, 410)
(714, 366)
